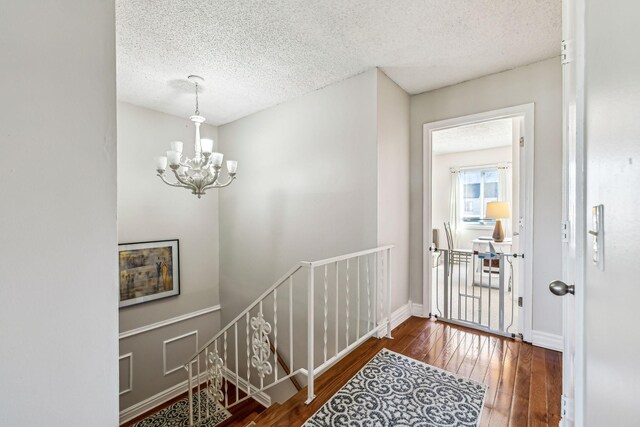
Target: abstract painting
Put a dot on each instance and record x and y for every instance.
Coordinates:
(148, 271)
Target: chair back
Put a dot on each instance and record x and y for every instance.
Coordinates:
(447, 230)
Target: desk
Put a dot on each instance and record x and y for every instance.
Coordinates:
(490, 266)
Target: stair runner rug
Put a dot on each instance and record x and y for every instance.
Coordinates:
(396, 390)
(177, 414)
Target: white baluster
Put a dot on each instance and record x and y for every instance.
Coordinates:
(248, 359)
(326, 311)
(226, 385)
(275, 332)
(358, 299)
(347, 317)
(198, 384)
(208, 381)
(310, 337)
(235, 332)
(389, 293)
(190, 369)
(337, 304)
(292, 369)
(368, 296)
(261, 376)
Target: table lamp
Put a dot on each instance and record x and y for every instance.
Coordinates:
(498, 211)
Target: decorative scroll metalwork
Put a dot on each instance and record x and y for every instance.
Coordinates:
(214, 376)
(260, 345)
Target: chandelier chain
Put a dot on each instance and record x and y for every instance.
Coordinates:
(197, 106)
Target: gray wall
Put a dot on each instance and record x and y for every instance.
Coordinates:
(151, 210)
(612, 134)
(58, 270)
(393, 181)
(540, 83)
(306, 187)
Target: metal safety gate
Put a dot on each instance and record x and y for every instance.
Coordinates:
(476, 289)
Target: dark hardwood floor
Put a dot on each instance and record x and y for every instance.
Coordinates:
(524, 382)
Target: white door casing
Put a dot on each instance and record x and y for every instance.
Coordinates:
(524, 116)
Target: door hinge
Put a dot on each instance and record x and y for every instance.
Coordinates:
(567, 409)
(567, 51)
(522, 141)
(565, 231)
(519, 301)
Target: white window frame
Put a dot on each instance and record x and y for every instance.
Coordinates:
(475, 226)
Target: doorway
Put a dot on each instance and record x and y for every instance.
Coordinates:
(478, 178)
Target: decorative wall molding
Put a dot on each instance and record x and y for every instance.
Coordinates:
(156, 400)
(167, 322)
(130, 385)
(164, 351)
(547, 340)
(261, 397)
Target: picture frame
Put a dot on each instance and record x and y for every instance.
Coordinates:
(148, 271)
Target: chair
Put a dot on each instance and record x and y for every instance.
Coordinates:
(456, 255)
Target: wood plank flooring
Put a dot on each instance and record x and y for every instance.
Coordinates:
(524, 382)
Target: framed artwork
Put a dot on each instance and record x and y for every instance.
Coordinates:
(148, 271)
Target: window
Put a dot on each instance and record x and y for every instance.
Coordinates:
(477, 188)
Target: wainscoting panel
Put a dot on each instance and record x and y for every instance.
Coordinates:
(159, 353)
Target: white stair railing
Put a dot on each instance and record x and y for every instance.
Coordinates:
(360, 283)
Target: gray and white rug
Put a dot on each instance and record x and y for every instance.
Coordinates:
(395, 390)
(177, 414)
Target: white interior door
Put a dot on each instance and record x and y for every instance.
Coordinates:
(573, 224)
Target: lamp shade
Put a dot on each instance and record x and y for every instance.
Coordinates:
(498, 210)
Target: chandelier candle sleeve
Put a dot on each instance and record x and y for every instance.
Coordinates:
(232, 166)
(177, 146)
(161, 163)
(201, 172)
(207, 145)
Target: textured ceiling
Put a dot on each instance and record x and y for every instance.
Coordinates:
(479, 136)
(258, 53)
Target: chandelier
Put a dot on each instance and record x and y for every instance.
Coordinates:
(202, 172)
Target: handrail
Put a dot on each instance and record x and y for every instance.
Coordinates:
(346, 256)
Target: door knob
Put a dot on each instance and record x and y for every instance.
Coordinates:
(559, 288)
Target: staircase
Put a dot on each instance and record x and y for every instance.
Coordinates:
(308, 320)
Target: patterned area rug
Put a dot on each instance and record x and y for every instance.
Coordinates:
(177, 415)
(395, 390)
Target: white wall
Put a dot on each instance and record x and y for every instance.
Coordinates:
(150, 210)
(612, 134)
(58, 264)
(393, 182)
(539, 83)
(306, 187)
(441, 185)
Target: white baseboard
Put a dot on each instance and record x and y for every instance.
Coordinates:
(261, 397)
(156, 400)
(416, 310)
(547, 340)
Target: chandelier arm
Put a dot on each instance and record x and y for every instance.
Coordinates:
(186, 184)
(173, 184)
(217, 185)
